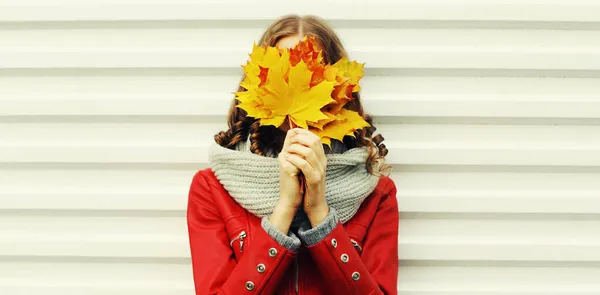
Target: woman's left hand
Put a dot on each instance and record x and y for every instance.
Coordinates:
(306, 152)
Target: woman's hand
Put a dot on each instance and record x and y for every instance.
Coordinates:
(289, 184)
(306, 153)
(289, 189)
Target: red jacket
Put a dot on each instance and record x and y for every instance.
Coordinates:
(232, 253)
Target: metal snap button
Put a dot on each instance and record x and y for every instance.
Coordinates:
(334, 243)
(261, 268)
(344, 258)
(356, 276)
(272, 252)
(249, 285)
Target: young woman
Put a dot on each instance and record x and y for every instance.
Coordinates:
(251, 229)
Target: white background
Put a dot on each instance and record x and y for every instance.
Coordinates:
(490, 110)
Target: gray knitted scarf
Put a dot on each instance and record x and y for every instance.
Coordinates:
(253, 180)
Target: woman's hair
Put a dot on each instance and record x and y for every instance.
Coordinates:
(269, 139)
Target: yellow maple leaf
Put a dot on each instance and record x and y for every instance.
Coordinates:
(295, 98)
(261, 60)
(256, 71)
(252, 76)
(350, 72)
(265, 57)
(258, 52)
(271, 58)
(252, 104)
(319, 124)
(348, 122)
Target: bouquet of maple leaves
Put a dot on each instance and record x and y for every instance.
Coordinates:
(297, 84)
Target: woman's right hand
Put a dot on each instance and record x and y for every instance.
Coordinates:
(289, 184)
(289, 189)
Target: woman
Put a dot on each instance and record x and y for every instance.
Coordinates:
(252, 230)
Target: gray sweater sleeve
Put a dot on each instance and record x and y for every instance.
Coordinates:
(289, 241)
(316, 234)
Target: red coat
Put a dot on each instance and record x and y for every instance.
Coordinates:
(232, 254)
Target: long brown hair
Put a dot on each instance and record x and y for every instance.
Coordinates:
(268, 139)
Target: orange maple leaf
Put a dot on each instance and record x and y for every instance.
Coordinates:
(307, 51)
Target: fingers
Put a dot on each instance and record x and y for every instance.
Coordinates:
(308, 146)
(289, 168)
(307, 153)
(312, 176)
(307, 138)
(286, 166)
(288, 138)
(313, 151)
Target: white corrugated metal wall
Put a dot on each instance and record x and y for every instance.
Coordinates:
(490, 110)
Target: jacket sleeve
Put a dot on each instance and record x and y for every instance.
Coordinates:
(375, 271)
(258, 271)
